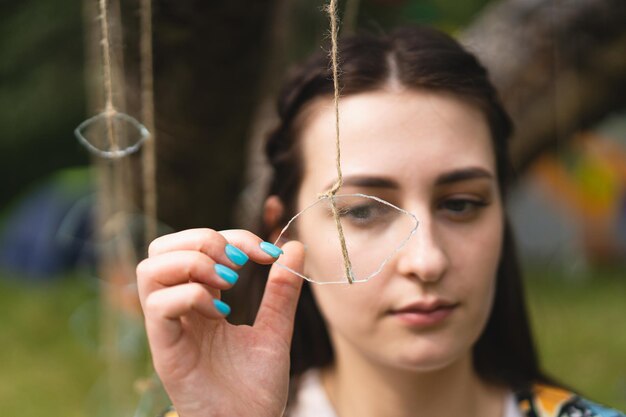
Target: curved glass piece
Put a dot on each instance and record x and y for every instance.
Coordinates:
(128, 131)
(374, 230)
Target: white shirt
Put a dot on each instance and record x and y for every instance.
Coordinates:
(311, 399)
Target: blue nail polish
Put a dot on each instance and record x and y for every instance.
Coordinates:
(222, 307)
(271, 250)
(236, 255)
(226, 273)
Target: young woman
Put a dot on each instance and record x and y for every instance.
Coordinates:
(441, 331)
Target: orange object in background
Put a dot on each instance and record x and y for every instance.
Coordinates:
(588, 181)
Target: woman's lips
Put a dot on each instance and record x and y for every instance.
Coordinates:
(415, 317)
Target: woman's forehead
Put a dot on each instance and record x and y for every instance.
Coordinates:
(396, 134)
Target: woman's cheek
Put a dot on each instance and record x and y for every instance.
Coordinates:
(481, 285)
(347, 309)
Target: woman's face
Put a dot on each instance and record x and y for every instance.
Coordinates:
(430, 154)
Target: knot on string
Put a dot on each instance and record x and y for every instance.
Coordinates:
(109, 110)
(331, 192)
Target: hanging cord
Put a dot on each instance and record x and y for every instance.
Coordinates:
(330, 194)
(332, 11)
(109, 109)
(147, 108)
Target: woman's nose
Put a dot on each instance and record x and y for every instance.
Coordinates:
(423, 257)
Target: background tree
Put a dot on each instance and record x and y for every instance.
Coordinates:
(560, 66)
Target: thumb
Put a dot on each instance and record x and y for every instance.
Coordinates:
(278, 307)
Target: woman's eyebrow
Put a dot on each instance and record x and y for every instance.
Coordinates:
(370, 182)
(462, 175)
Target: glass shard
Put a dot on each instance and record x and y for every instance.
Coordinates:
(112, 134)
(374, 230)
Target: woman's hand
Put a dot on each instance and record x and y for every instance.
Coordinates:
(208, 366)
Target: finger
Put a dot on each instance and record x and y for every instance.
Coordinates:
(231, 247)
(278, 307)
(179, 267)
(253, 245)
(164, 308)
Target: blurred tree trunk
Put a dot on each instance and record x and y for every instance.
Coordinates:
(208, 61)
(560, 66)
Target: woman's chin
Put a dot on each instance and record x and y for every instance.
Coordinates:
(422, 360)
(423, 365)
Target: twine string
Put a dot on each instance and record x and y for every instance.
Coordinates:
(109, 109)
(330, 194)
(147, 107)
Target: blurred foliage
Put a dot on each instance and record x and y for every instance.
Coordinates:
(41, 90)
(312, 27)
(448, 15)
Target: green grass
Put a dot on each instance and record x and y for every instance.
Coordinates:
(50, 362)
(46, 368)
(580, 328)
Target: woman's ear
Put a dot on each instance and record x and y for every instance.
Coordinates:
(272, 213)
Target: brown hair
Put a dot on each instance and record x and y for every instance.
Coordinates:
(417, 57)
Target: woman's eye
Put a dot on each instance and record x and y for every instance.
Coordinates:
(461, 208)
(361, 212)
(357, 212)
(365, 214)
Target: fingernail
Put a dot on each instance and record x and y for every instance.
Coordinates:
(222, 307)
(271, 250)
(236, 255)
(226, 273)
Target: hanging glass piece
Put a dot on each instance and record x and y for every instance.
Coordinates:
(374, 231)
(95, 134)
